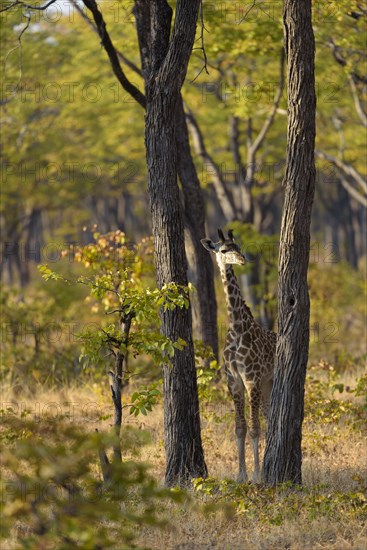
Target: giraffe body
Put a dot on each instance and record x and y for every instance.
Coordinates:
(249, 354)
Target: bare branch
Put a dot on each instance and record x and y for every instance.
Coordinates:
(19, 45)
(224, 197)
(357, 101)
(248, 11)
(202, 47)
(90, 23)
(345, 168)
(354, 192)
(246, 177)
(10, 6)
(340, 59)
(27, 6)
(235, 147)
(112, 54)
(269, 121)
(347, 173)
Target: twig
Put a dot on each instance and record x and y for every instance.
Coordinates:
(202, 47)
(89, 22)
(345, 168)
(114, 311)
(224, 196)
(112, 339)
(248, 11)
(335, 50)
(28, 6)
(357, 101)
(19, 38)
(268, 122)
(346, 172)
(112, 54)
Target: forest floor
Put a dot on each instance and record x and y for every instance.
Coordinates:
(328, 512)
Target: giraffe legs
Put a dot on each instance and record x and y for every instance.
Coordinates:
(237, 391)
(265, 398)
(254, 393)
(241, 438)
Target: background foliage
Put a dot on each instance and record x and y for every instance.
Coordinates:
(74, 200)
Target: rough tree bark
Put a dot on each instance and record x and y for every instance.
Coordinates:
(283, 457)
(201, 269)
(164, 64)
(200, 264)
(167, 71)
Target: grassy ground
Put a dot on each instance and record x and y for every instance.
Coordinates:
(329, 512)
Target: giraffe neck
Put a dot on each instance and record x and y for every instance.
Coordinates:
(238, 312)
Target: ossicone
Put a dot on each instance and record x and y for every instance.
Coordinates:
(221, 236)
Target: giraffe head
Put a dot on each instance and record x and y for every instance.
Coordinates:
(226, 250)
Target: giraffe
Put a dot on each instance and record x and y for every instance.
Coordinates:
(249, 354)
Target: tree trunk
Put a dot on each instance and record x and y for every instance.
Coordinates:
(345, 210)
(169, 59)
(116, 390)
(283, 457)
(200, 262)
(200, 265)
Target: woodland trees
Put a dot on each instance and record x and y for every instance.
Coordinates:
(56, 122)
(165, 73)
(283, 457)
(234, 99)
(164, 66)
(164, 63)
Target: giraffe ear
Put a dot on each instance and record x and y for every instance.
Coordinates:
(221, 235)
(208, 244)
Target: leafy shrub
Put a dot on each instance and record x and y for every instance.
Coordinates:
(53, 497)
(274, 506)
(323, 398)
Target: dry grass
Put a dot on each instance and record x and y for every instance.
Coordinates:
(339, 465)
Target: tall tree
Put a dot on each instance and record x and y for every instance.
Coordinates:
(165, 67)
(200, 266)
(283, 457)
(166, 71)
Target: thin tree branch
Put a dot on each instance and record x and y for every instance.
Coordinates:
(235, 146)
(346, 173)
(270, 119)
(224, 197)
(27, 6)
(90, 23)
(246, 175)
(112, 54)
(248, 11)
(340, 59)
(202, 47)
(19, 38)
(344, 168)
(353, 192)
(357, 101)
